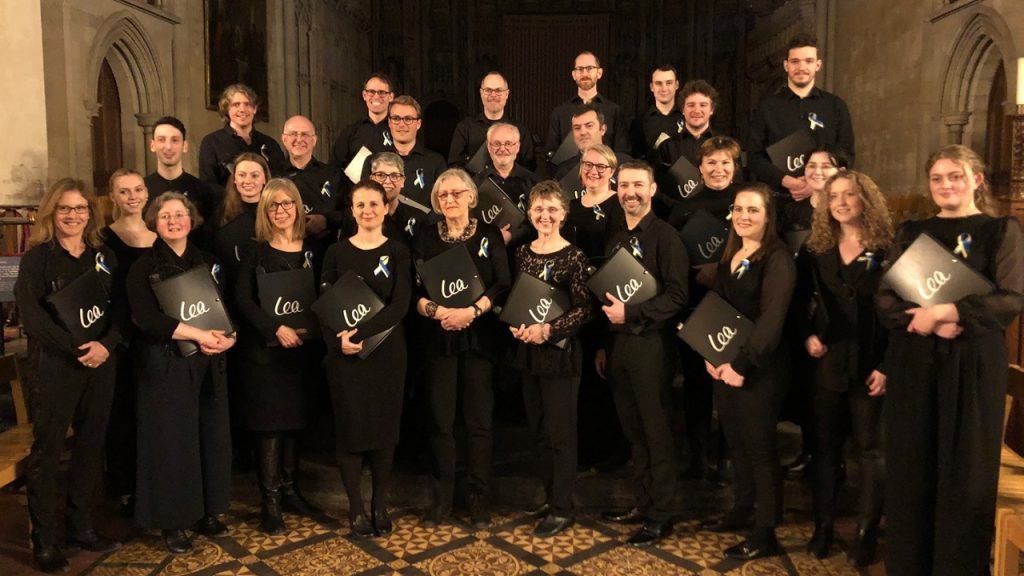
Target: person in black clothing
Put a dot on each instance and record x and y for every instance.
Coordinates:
(236, 222)
(372, 131)
(75, 381)
(169, 147)
(503, 143)
(662, 117)
(640, 356)
(217, 152)
(460, 347)
(128, 238)
(946, 384)
(275, 364)
(586, 72)
(471, 133)
(800, 105)
(697, 100)
(422, 166)
(756, 276)
(852, 230)
(403, 220)
(184, 439)
(367, 392)
(588, 129)
(550, 371)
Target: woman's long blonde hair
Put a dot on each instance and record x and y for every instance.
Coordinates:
(876, 222)
(44, 229)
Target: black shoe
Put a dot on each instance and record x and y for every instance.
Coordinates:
(176, 541)
(293, 502)
(211, 526)
(479, 515)
(91, 541)
(552, 525)
(435, 515)
(752, 550)
(539, 511)
(799, 467)
(361, 526)
(733, 521)
(650, 533)
(50, 559)
(271, 521)
(865, 545)
(820, 544)
(631, 516)
(381, 521)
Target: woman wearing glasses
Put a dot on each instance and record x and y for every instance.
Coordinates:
(184, 440)
(459, 346)
(275, 362)
(75, 383)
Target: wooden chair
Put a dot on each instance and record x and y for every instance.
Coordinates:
(16, 442)
(1009, 539)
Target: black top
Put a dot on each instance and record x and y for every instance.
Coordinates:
(233, 239)
(422, 167)
(517, 187)
(375, 136)
(782, 113)
(995, 252)
(560, 125)
(323, 188)
(761, 293)
(47, 268)
(246, 289)
(682, 144)
(648, 126)
(218, 150)
(161, 262)
(590, 228)
(471, 133)
(205, 197)
(717, 202)
(568, 274)
(664, 256)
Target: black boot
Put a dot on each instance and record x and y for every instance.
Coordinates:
(269, 474)
(291, 499)
(865, 545)
(821, 542)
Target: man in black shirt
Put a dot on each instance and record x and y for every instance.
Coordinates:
(588, 129)
(697, 100)
(798, 105)
(639, 357)
(503, 142)
(422, 166)
(471, 133)
(663, 117)
(218, 150)
(586, 72)
(371, 131)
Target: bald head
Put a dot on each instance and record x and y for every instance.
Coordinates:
(299, 139)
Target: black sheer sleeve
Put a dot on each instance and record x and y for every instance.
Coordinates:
(779, 279)
(996, 310)
(569, 324)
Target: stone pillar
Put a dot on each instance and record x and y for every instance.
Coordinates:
(955, 126)
(146, 120)
(1017, 155)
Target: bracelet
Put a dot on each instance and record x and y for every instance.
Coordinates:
(476, 311)
(430, 309)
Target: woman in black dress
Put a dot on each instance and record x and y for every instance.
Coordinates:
(236, 220)
(756, 276)
(367, 392)
(459, 346)
(274, 362)
(184, 442)
(947, 382)
(74, 383)
(852, 230)
(128, 237)
(551, 374)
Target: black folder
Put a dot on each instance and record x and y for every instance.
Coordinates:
(686, 176)
(82, 306)
(790, 153)
(287, 297)
(494, 207)
(451, 277)
(929, 274)
(534, 301)
(704, 237)
(479, 160)
(571, 184)
(716, 330)
(624, 277)
(567, 149)
(192, 298)
(348, 304)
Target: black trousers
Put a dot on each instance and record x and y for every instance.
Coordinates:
(67, 393)
(943, 431)
(601, 440)
(838, 415)
(446, 375)
(640, 372)
(184, 451)
(749, 416)
(697, 404)
(121, 442)
(551, 412)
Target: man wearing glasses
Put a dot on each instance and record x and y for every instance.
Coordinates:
(422, 166)
(319, 184)
(371, 131)
(504, 142)
(586, 72)
(471, 133)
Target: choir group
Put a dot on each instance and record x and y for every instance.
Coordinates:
(767, 275)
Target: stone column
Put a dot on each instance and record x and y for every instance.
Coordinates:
(146, 120)
(1017, 155)
(955, 126)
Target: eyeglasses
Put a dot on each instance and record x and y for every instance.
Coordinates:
(382, 176)
(285, 205)
(177, 216)
(64, 210)
(372, 93)
(600, 168)
(500, 145)
(585, 69)
(403, 119)
(297, 135)
(494, 91)
(455, 195)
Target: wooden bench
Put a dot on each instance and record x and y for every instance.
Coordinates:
(15, 442)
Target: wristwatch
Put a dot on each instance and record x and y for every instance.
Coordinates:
(477, 311)
(430, 308)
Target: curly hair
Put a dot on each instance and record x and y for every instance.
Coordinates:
(876, 222)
